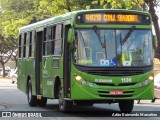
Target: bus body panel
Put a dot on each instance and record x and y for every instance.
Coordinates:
(47, 77)
(21, 75)
(90, 87)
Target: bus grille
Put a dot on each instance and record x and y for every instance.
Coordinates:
(115, 73)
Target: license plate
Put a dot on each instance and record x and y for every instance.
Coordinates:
(116, 92)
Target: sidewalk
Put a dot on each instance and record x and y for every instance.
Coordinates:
(148, 102)
(6, 82)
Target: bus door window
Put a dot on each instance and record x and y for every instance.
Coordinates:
(47, 47)
(75, 53)
(58, 40)
(33, 44)
(27, 44)
(24, 47)
(20, 45)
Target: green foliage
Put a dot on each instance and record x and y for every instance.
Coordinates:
(117, 4)
(17, 13)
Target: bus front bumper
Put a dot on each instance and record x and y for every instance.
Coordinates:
(84, 92)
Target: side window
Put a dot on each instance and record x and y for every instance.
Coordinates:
(24, 47)
(30, 45)
(27, 44)
(47, 46)
(20, 45)
(58, 40)
(33, 44)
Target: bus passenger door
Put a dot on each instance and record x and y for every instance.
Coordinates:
(38, 61)
(66, 66)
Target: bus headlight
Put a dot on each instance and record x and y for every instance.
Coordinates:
(151, 78)
(78, 78)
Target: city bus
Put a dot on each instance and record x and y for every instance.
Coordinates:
(86, 57)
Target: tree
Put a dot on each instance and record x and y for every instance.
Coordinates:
(152, 4)
(5, 53)
(17, 13)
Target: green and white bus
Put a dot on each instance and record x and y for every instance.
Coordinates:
(86, 57)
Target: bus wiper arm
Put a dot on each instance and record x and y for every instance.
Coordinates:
(98, 36)
(128, 35)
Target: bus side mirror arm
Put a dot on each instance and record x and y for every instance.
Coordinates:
(70, 35)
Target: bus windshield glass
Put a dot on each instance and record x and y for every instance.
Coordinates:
(103, 47)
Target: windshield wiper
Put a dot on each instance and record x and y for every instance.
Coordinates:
(98, 36)
(128, 35)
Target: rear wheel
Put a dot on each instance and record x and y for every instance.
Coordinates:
(32, 100)
(126, 106)
(64, 105)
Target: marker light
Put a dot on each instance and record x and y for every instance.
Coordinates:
(91, 85)
(140, 84)
(146, 82)
(83, 82)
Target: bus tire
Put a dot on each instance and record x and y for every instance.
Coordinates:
(32, 99)
(42, 102)
(126, 106)
(64, 105)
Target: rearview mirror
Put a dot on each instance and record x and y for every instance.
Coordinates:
(154, 40)
(70, 35)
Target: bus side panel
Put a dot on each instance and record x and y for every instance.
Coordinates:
(30, 72)
(57, 70)
(21, 75)
(47, 77)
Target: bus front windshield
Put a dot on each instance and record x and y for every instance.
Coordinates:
(113, 47)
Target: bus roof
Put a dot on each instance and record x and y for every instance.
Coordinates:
(70, 15)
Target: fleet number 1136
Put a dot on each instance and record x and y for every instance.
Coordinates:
(126, 80)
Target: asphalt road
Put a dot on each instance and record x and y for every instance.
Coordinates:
(14, 101)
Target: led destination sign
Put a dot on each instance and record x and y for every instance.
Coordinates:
(113, 18)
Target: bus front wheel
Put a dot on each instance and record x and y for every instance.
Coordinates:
(126, 106)
(32, 100)
(64, 105)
